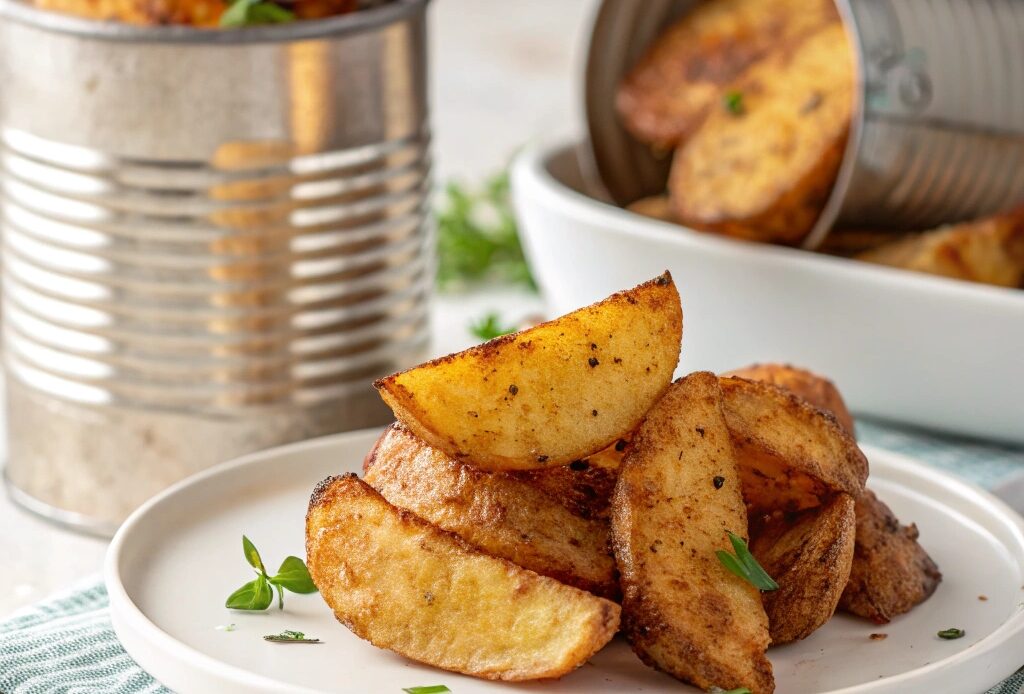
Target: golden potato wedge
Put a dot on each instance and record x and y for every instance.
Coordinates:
(495, 512)
(198, 13)
(763, 169)
(792, 455)
(677, 498)
(584, 488)
(809, 556)
(655, 207)
(891, 572)
(549, 395)
(666, 95)
(815, 389)
(988, 251)
(405, 585)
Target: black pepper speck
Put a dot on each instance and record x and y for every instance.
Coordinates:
(593, 362)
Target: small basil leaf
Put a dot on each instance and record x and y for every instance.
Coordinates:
(251, 555)
(254, 595)
(237, 14)
(269, 13)
(294, 576)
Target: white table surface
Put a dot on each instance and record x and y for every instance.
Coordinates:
(503, 75)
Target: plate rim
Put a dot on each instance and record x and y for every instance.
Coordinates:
(128, 618)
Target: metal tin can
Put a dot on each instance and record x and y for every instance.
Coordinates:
(938, 128)
(212, 242)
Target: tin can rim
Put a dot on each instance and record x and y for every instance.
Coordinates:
(356, 22)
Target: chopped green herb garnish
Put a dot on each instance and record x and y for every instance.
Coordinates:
(289, 636)
(225, 627)
(744, 565)
(738, 690)
(477, 237)
(733, 102)
(952, 633)
(249, 12)
(258, 593)
(489, 327)
(434, 689)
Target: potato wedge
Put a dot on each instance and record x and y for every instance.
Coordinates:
(655, 206)
(683, 73)
(792, 455)
(891, 572)
(815, 389)
(809, 556)
(495, 512)
(988, 251)
(405, 585)
(584, 488)
(763, 169)
(677, 498)
(549, 395)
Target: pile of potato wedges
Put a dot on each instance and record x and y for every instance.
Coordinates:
(546, 489)
(755, 99)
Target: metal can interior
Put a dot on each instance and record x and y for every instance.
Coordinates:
(213, 241)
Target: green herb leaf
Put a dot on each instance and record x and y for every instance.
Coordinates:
(489, 327)
(744, 565)
(294, 576)
(289, 636)
(434, 689)
(738, 690)
(250, 12)
(254, 595)
(952, 633)
(252, 555)
(477, 239)
(733, 102)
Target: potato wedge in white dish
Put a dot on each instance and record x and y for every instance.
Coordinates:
(887, 337)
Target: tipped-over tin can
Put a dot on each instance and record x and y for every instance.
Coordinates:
(213, 241)
(938, 127)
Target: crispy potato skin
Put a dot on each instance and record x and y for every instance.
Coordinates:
(765, 174)
(683, 612)
(809, 555)
(198, 13)
(551, 394)
(682, 75)
(815, 389)
(988, 251)
(495, 512)
(891, 572)
(405, 585)
(792, 455)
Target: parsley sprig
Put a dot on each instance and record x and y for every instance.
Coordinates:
(477, 239)
(258, 593)
(744, 565)
(249, 12)
(289, 636)
(952, 633)
(489, 327)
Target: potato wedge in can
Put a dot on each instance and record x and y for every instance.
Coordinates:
(495, 512)
(677, 498)
(405, 585)
(792, 455)
(809, 555)
(552, 394)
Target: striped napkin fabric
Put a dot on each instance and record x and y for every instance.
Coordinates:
(66, 645)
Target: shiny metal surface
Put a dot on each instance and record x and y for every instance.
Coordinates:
(212, 241)
(939, 129)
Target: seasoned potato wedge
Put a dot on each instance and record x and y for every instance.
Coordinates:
(552, 394)
(815, 389)
(809, 556)
(792, 455)
(495, 512)
(989, 251)
(405, 585)
(683, 73)
(677, 498)
(764, 168)
(891, 572)
(198, 13)
(583, 487)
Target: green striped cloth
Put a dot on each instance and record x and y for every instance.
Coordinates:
(66, 645)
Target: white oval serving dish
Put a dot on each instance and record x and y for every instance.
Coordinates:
(924, 350)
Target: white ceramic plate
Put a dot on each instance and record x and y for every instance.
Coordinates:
(926, 350)
(173, 563)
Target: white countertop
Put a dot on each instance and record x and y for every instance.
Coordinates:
(503, 75)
